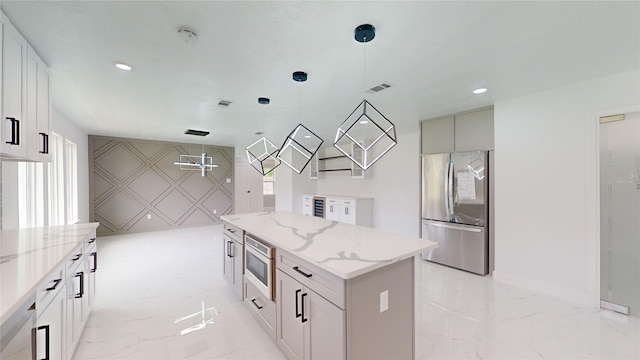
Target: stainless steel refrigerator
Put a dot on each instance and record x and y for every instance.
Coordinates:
(455, 209)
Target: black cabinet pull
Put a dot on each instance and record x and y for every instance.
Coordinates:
(304, 320)
(95, 261)
(302, 272)
(81, 276)
(298, 313)
(46, 341)
(232, 231)
(15, 131)
(77, 257)
(92, 240)
(254, 303)
(45, 143)
(55, 285)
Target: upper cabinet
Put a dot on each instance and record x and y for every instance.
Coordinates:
(467, 131)
(26, 99)
(14, 91)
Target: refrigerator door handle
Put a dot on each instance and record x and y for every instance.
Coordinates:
(449, 191)
(461, 228)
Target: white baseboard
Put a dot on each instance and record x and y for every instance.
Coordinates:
(542, 287)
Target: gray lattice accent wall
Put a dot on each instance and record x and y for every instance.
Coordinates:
(132, 179)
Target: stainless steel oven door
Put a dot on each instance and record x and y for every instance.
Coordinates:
(258, 269)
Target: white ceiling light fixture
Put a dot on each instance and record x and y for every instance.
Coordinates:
(262, 154)
(366, 135)
(123, 66)
(202, 162)
(480, 90)
(301, 143)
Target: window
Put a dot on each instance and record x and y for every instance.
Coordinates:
(30, 195)
(267, 184)
(56, 180)
(71, 181)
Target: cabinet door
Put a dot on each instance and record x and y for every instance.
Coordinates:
(227, 248)
(437, 135)
(333, 209)
(474, 130)
(348, 211)
(14, 52)
(238, 267)
(74, 308)
(38, 107)
(91, 266)
(325, 333)
(50, 328)
(307, 202)
(290, 335)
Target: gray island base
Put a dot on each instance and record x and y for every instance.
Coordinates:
(340, 291)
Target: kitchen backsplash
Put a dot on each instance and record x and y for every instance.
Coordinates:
(134, 185)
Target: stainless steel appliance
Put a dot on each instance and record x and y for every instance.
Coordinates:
(259, 265)
(455, 188)
(18, 333)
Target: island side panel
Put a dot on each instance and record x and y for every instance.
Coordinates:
(372, 334)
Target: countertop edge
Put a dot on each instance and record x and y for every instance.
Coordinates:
(9, 311)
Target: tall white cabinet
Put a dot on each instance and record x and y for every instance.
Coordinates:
(25, 95)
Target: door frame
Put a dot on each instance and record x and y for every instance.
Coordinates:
(593, 199)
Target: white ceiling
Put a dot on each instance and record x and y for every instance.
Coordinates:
(433, 53)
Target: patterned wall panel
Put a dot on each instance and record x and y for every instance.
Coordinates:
(131, 179)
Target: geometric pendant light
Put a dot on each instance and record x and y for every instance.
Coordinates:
(301, 144)
(262, 153)
(366, 135)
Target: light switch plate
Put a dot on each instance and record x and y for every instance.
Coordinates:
(384, 301)
(228, 180)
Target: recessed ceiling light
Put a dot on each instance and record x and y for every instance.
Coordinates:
(480, 90)
(123, 66)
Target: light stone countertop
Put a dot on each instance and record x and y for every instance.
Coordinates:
(28, 256)
(342, 249)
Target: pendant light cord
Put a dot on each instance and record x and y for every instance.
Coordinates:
(364, 66)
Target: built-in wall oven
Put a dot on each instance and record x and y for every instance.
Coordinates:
(18, 333)
(259, 265)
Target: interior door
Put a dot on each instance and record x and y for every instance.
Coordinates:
(619, 213)
(248, 192)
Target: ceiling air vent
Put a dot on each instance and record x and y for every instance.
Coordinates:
(224, 103)
(377, 88)
(196, 132)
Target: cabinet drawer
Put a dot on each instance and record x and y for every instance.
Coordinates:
(321, 281)
(263, 309)
(75, 258)
(49, 288)
(233, 231)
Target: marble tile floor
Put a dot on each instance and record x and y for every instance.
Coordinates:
(161, 295)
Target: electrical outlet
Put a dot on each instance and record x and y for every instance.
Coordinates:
(384, 301)
(215, 211)
(148, 216)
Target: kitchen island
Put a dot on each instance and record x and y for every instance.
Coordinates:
(341, 290)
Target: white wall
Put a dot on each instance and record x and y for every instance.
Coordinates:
(70, 131)
(394, 185)
(546, 207)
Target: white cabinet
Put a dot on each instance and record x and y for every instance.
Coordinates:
(307, 205)
(90, 268)
(14, 92)
(75, 297)
(38, 107)
(26, 99)
(469, 131)
(50, 329)
(50, 309)
(309, 326)
(313, 167)
(356, 211)
(233, 268)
